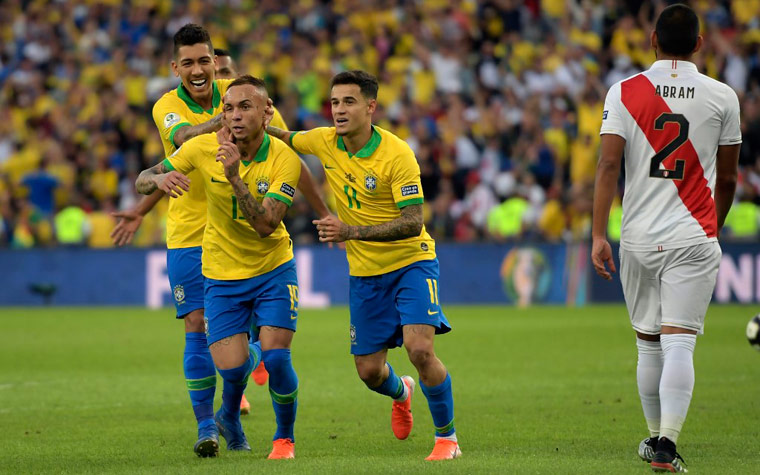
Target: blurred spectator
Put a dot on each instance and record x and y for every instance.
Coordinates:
(71, 224)
(477, 88)
(41, 187)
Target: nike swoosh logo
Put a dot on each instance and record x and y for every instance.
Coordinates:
(293, 317)
(328, 167)
(432, 313)
(214, 180)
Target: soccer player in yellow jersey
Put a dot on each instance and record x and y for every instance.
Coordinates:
(247, 253)
(225, 65)
(194, 108)
(391, 258)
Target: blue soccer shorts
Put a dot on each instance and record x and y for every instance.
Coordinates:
(271, 299)
(381, 305)
(185, 278)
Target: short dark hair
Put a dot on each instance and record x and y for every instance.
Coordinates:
(247, 79)
(191, 34)
(677, 30)
(221, 52)
(367, 83)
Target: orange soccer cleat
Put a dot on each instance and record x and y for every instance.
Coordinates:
(282, 449)
(260, 374)
(245, 406)
(401, 414)
(444, 449)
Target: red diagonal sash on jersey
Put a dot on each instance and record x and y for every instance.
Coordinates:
(638, 96)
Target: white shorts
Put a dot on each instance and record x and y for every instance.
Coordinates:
(671, 288)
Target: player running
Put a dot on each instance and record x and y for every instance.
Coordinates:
(679, 130)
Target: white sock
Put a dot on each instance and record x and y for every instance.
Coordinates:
(648, 373)
(404, 395)
(677, 382)
(452, 437)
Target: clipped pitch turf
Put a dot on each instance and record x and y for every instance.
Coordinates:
(542, 390)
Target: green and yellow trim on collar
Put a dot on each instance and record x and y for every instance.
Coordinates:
(368, 149)
(262, 153)
(216, 99)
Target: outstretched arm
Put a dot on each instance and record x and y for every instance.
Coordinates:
(130, 220)
(310, 191)
(187, 132)
(158, 177)
(409, 224)
(283, 135)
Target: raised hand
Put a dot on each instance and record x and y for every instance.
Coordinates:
(229, 156)
(125, 229)
(331, 229)
(173, 183)
(268, 112)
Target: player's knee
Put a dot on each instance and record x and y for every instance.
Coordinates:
(371, 374)
(420, 355)
(194, 322)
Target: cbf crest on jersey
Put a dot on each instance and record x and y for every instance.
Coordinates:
(370, 181)
(179, 293)
(262, 185)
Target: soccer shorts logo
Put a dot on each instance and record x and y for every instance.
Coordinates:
(352, 334)
(179, 293)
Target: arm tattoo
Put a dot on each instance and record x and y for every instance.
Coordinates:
(263, 218)
(279, 133)
(409, 224)
(251, 208)
(145, 183)
(189, 131)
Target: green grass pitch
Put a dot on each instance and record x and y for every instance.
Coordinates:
(542, 390)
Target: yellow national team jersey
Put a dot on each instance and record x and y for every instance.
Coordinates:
(232, 249)
(371, 187)
(176, 109)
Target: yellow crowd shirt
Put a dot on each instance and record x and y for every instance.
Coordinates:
(232, 249)
(186, 216)
(371, 187)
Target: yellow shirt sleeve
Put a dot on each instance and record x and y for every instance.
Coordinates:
(182, 160)
(310, 141)
(405, 180)
(167, 114)
(287, 172)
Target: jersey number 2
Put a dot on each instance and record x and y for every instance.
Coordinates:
(683, 135)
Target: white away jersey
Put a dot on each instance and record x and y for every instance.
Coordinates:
(672, 119)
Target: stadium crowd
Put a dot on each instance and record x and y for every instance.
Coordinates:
(500, 100)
